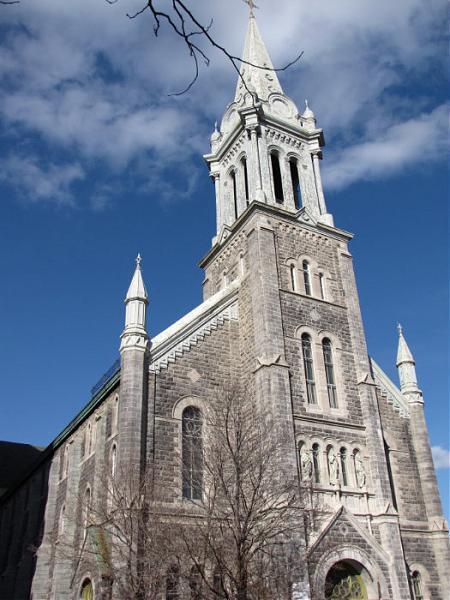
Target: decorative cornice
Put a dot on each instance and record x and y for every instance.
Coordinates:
(193, 328)
(389, 390)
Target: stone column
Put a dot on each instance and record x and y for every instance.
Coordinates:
(258, 193)
(219, 218)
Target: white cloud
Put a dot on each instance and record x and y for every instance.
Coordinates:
(420, 139)
(93, 84)
(441, 457)
(36, 183)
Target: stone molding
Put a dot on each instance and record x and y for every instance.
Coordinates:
(186, 333)
(389, 390)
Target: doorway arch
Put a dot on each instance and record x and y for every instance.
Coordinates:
(346, 580)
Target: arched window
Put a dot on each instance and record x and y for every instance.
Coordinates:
(307, 277)
(87, 591)
(86, 510)
(65, 462)
(113, 460)
(417, 586)
(309, 368)
(192, 448)
(343, 459)
(245, 174)
(329, 372)
(234, 192)
(295, 182)
(292, 273)
(173, 583)
(276, 175)
(322, 285)
(316, 462)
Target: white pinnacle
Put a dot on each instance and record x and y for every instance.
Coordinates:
(404, 354)
(137, 290)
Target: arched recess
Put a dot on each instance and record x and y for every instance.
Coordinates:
(87, 591)
(349, 561)
(420, 586)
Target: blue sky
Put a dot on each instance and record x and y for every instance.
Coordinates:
(97, 162)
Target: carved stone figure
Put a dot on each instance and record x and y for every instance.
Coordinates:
(306, 464)
(360, 471)
(333, 467)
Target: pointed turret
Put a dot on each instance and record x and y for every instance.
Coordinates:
(263, 82)
(136, 302)
(407, 370)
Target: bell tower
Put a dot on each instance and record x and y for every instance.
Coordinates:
(265, 150)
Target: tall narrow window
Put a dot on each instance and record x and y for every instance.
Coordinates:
(307, 277)
(329, 371)
(417, 586)
(61, 524)
(172, 583)
(277, 181)
(115, 419)
(343, 457)
(322, 285)
(309, 368)
(192, 447)
(235, 200)
(295, 182)
(316, 462)
(293, 278)
(245, 174)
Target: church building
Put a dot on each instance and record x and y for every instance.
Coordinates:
(280, 315)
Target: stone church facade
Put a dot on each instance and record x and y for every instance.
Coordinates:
(281, 315)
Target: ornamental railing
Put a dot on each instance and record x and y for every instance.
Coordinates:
(106, 377)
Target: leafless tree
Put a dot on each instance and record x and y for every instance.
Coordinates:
(242, 538)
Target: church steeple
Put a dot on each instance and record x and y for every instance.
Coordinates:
(265, 150)
(259, 80)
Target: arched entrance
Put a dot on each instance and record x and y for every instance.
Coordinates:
(87, 591)
(346, 580)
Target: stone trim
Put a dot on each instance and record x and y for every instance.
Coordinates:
(192, 329)
(389, 390)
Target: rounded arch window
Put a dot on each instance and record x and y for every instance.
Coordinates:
(192, 453)
(307, 277)
(329, 372)
(87, 590)
(113, 460)
(293, 276)
(293, 167)
(346, 581)
(276, 177)
(417, 585)
(234, 192)
(309, 368)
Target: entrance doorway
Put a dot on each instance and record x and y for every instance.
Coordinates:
(345, 581)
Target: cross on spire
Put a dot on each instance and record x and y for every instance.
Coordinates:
(138, 260)
(251, 5)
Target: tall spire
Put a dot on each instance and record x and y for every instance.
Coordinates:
(407, 370)
(262, 81)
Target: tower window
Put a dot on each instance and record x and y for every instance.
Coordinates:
(235, 205)
(295, 182)
(343, 457)
(113, 460)
(316, 462)
(245, 173)
(329, 372)
(192, 448)
(293, 278)
(322, 285)
(309, 368)
(307, 277)
(87, 591)
(277, 181)
(86, 511)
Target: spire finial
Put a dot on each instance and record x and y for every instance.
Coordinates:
(399, 329)
(251, 5)
(306, 103)
(138, 260)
